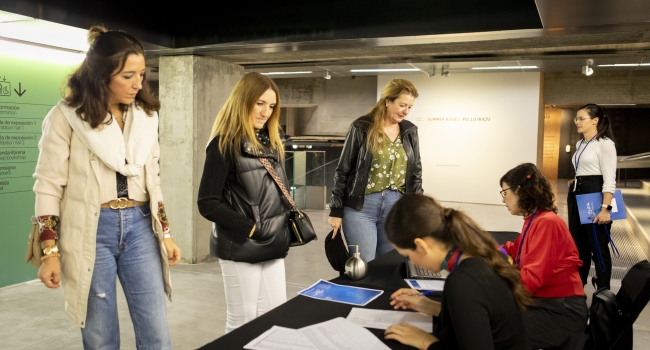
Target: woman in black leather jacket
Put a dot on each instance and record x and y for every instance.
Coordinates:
(380, 161)
(243, 201)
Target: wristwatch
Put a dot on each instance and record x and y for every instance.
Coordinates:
(608, 207)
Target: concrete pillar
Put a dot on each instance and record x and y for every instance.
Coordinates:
(192, 91)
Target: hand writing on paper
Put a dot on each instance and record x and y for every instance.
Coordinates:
(406, 298)
(410, 335)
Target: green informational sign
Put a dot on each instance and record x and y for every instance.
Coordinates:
(29, 88)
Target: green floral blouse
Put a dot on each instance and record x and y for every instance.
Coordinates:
(388, 169)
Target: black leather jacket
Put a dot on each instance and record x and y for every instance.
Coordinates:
(351, 175)
(234, 195)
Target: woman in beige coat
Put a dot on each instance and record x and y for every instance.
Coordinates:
(98, 199)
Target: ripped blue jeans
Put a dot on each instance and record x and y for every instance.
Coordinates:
(127, 249)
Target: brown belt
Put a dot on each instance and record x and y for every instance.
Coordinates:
(122, 203)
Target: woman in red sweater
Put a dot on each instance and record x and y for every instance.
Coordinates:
(547, 258)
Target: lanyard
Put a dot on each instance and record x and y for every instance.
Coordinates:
(577, 162)
(457, 259)
(523, 238)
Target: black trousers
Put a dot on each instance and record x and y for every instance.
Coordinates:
(583, 234)
(552, 320)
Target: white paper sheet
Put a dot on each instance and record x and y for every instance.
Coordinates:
(437, 285)
(280, 338)
(382, 319)
(341, 334)
(335, 334)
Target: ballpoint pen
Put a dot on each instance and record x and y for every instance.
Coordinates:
(425, 293)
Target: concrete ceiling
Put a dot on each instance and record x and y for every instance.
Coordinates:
(553, 35)
(607, 32)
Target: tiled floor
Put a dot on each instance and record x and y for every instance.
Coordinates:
(32, 317)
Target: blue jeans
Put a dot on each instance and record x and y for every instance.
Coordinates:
(365, 227)
(126, 248)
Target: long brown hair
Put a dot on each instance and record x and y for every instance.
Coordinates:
(233, 121)
(391, 92)
(88, 85)
(532, 188)
(419, 216)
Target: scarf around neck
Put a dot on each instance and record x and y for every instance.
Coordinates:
(125, 153)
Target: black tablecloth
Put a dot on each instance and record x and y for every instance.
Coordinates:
(386, 272)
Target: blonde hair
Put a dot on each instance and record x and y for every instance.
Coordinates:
(234, 123)
(391, 92)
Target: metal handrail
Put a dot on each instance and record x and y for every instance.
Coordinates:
(307, 172)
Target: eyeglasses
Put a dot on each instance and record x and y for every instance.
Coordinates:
(503, 192)
(575, 120)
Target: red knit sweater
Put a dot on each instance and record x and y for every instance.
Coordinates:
(549, 258)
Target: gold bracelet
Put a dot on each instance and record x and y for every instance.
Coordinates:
(252, 231)
(50, 255)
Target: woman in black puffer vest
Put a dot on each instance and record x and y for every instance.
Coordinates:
(242, 200)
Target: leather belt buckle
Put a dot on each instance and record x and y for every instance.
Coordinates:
(119, 203)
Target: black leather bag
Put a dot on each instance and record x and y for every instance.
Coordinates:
(302, 231)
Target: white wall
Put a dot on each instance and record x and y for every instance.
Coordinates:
(473, 128)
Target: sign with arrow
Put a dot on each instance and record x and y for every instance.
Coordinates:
(20, 87)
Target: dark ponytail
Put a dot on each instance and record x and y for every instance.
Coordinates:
(531, 186)
(604, 125)
(418, 216)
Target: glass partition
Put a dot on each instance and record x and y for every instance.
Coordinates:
(306, 174)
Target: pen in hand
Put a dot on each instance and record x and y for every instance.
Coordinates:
(425, 293)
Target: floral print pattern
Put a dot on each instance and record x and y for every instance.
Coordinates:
(162, 217)
(48, 227)
(388, 168)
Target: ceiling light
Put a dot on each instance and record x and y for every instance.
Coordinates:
(625, 65)
(328, 75)
(588, 69)
(385, 70)
(285, 73)
(506, 67)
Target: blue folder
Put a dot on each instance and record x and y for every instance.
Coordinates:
(589, 206)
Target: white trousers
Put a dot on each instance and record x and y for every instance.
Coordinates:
(252, 289)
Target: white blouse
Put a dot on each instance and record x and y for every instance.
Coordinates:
(597, 158)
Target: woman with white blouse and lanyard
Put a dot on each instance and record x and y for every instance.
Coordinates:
(595, 167)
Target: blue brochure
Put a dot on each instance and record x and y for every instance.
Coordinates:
(589, 206)
(329, 291)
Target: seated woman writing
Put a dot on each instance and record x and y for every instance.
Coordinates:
(547, 258)
(483, 298)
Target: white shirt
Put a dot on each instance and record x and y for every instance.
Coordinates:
(598, 158)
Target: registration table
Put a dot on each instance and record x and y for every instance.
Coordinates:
(386, 273)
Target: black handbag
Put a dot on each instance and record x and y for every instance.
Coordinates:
(336, 250)
(302, 231)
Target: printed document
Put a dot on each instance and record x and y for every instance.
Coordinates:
(382, 319)
(280, 338)
(335, 334)
(325, 290)
(436, 285)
